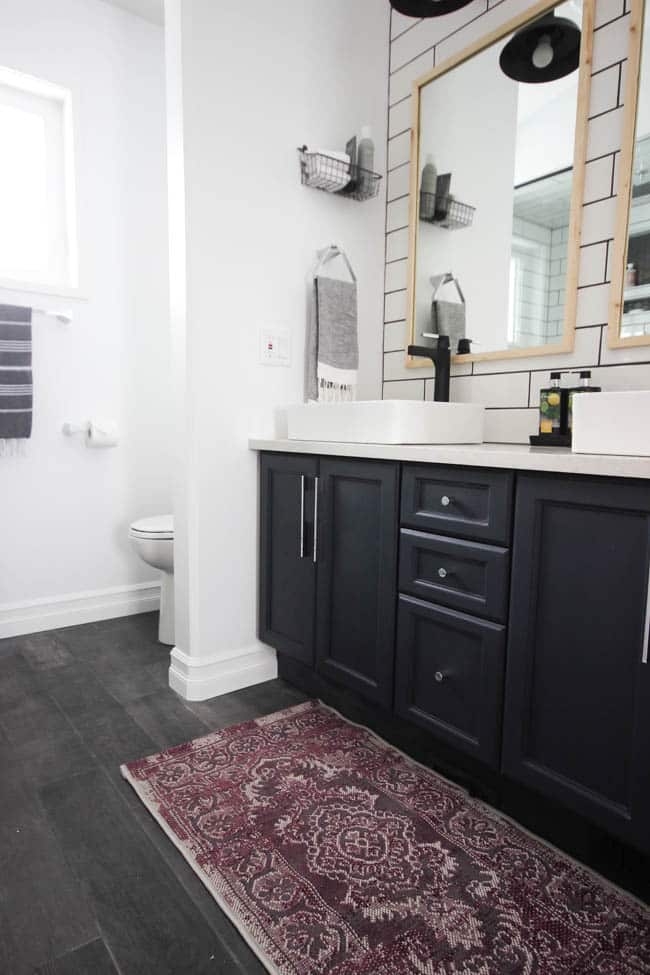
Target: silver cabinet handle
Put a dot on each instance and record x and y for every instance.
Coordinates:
(315, 553)
(646, 625)
(442, 573)
(439, 676)
(445, 501)
(302, 516)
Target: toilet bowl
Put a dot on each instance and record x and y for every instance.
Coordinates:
(153, 540)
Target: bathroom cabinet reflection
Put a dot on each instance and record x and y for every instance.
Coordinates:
(513, 152)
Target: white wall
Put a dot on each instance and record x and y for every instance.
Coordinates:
(258, 80)
(65, 511)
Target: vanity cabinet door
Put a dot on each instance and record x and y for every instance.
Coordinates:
(449, 676)
(577, 706)
(357, 574)
(287, 567)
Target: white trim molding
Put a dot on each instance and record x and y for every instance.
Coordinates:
(200, 678)
(51, 613)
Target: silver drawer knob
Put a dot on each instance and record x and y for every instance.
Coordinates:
(442, 573)
(439, 676)
(445, 501)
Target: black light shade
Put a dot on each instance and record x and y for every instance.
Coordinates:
(427, 8)
(545, 50)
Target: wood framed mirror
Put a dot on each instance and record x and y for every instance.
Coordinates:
(629, 305)
(494, 250)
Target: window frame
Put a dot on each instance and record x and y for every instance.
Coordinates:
(29, 86)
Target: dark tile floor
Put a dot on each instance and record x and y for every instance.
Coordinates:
(89, 884)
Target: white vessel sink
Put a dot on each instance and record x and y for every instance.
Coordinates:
(612, 423)
(387, 422)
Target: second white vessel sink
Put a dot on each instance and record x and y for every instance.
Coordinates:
(612, 423)
(388, 422)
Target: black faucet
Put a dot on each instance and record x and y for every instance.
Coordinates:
(440, 355)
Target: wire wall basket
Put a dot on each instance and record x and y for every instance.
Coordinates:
(445, 211)
(333, 175)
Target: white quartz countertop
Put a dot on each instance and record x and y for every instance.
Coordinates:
(509, 456)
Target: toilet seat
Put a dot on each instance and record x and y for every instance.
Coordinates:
(160, 528)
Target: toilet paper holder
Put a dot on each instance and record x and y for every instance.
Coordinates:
(97, 433)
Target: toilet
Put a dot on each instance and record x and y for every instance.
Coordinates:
(153, 540)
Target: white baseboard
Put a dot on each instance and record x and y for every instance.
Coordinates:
(200, 678)
(17, 619)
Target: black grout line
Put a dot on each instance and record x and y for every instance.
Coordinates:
(605, 281)
(600, 344)
(441, 40)
(594, 243)
(620, 82)
(398, 134)
(607, 111)
(612, 21)
(608, 67)
(603, 155)
(614, 188)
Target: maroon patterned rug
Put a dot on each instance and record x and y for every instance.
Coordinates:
(334, 854)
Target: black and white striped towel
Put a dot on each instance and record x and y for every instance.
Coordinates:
(16, 388)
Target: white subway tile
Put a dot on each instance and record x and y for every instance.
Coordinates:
(404, 389)
(400, 22)
(611, 44)
(614, 357)
(396, 275)
(399, 182)
(605, 134)
(585, 353)
(401, 81)
(397, 244)
(604, 90)
(431, 31)
(395, 306)
(478, 28)
(399, 150)
(397, 214)
(508, 389)
(593, 264)
(395, 367)
(400, 117)
(607, 10)
(598, 221)
(622, 377)
(395, 337)
(593, 305)
(598, 179)
(510, 426)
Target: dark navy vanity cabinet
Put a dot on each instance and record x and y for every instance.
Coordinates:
(500, 616)
(577, 696)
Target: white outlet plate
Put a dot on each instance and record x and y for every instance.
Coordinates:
(275, 346)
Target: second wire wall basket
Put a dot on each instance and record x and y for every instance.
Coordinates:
(335, 175)
(445, 211)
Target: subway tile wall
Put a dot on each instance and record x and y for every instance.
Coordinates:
(510, 388)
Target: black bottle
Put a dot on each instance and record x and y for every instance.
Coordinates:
(584, 387)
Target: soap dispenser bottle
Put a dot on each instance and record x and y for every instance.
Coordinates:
(584, 387)
(428, 188)
(553, 407)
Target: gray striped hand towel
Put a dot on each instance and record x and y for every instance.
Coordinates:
(16, 388)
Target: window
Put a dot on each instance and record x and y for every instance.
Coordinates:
(37, 206)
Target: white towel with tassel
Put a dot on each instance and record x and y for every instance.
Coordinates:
(332, 351)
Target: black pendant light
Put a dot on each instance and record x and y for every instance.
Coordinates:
(545, 50)
(427, 8)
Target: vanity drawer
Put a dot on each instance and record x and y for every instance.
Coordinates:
(469, 503)
(449, 677)
(467, 576)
